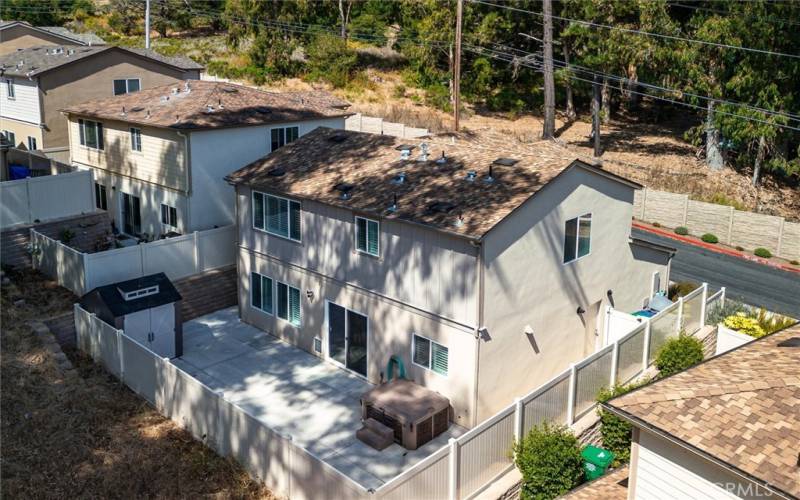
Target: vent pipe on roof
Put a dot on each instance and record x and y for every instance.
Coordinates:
(489, 178)
(424, 155)
(471, 176)
(393, 206)
(400, 178)
(219, 104)
(459, 221)
(442, 160)
(123, 111)
(186, 87)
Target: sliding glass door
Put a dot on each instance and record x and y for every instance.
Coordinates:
(347, 338)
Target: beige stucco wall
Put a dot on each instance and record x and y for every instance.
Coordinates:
(391, 325)
(662, 470)
(22, 131)
(20, 37)
(161, 161)
(93, 78)
(527, 284)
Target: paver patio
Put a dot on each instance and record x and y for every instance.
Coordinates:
(294, 393)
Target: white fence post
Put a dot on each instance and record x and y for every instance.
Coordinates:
(614, 362)
(571, 395)
(196, 253)
(646, 353)
(453, 469)
(680, 315)
(519, 419)
(121, 351)
(87, 275)
(703, 305)
(722, 297)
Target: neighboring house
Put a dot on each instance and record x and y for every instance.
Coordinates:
(16, 35)
(726, 428)
(36, 82)
(160, 155)
(485, 286)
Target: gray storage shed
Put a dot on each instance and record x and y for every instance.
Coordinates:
(148, 309)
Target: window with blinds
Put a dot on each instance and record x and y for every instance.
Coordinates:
(430, 355)
(288, 303)
(367, 236)
(275, 215)
(261, 292)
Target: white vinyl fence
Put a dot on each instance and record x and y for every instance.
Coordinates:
(228, 429)
(177, 257)
(460, 470)
(25, 201)
(377, 125)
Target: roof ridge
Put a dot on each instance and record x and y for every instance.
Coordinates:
(709, 392)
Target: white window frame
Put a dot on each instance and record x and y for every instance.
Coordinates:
(587, 216)
(283, 136)
(276, 305)
(32, 143)
(289, 224)
(11, 92)
(366, 251)
(273, 289)
(135, 134)
(127, 85)
(169, 222)
(99, 135)
(10, 137)
(101, 202)
(430, 354)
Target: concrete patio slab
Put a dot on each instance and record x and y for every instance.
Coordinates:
(294, 393)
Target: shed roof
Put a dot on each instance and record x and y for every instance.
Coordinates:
(741, 408)
(209, 105)
(112, 295)
(436, 192)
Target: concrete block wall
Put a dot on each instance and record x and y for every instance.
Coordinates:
(748, 230)
(377, 125)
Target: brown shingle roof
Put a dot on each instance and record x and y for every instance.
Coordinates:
(210, 105)
(320, 160)
(741, 408)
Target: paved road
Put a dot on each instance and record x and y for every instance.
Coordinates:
(749, 282)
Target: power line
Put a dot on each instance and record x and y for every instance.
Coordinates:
(727, 12)
(641, 32)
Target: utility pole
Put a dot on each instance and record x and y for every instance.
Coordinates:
(147, 24)
(549, 128)
(596, 116)
(457, 68)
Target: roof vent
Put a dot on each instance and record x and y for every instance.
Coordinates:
(209, 108)
(489, 178)
(442, 207)
(345, 189)
(70, 52)
(338, 138)
(164, 98)
(393, 206)
(186, 87)
(230, 90)
(136, 109)
(276, 172)
(405, 151)
(471, 176)
(424, 155)
(459, 220)
(123, 111)
(175, 90)
(400, 178)
(792, 342)
(138, 294)
(505, 162)
(219, 104)
(442, 159)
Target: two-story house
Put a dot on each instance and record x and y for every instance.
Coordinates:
(485, 272)
(37, 82)
(160, 155)
(16, 35)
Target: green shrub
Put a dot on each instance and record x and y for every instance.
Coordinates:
(741, 249)
(681, 289)
(709, 238)
(66, 235)
(721, 199)
(681, 230)
(678, 354)
(615, 431)
(762, 252)
(331, 59)
(549, 459)
(794, 262)
(656, 224)
(719, 311)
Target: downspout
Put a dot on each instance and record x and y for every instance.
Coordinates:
(478, 329)
(186, 166)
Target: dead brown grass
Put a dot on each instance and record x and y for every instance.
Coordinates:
(86, 435)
